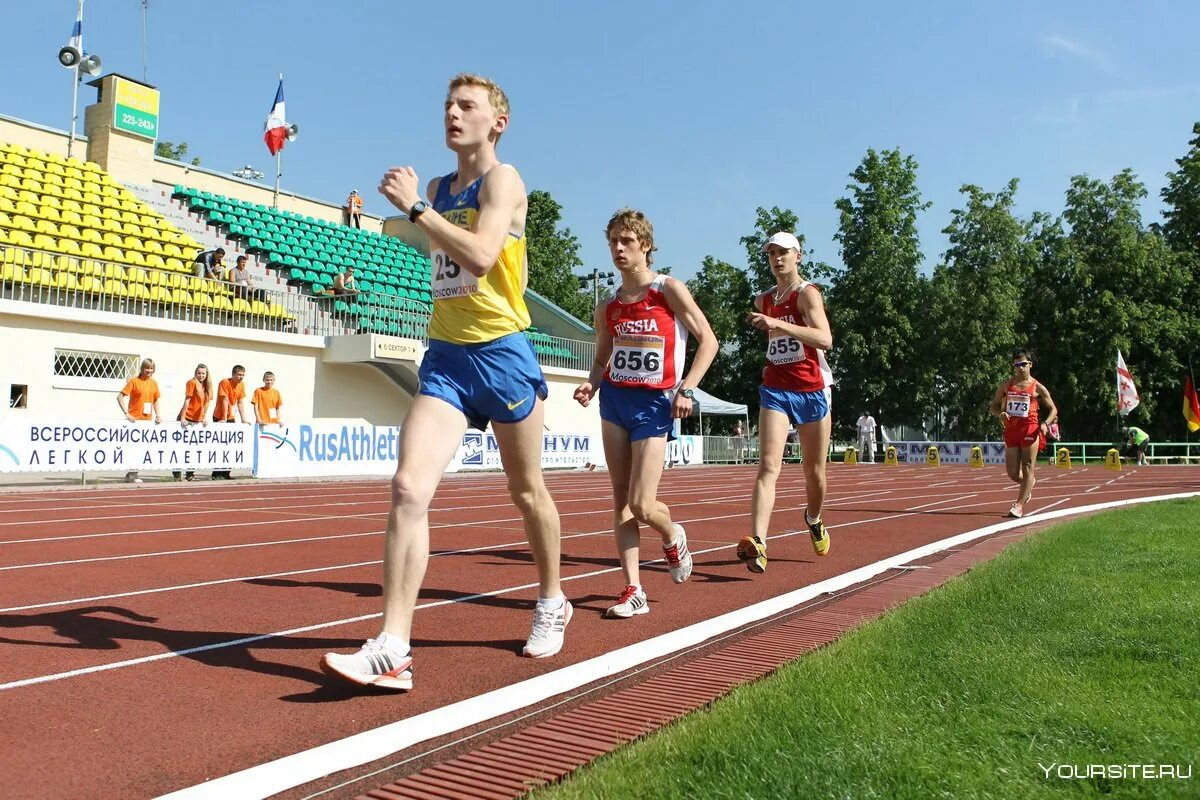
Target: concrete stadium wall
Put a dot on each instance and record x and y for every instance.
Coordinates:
(28, 134)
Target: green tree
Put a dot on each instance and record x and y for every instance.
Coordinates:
(1107, 284)
(975, 306)
(723, 292)
(553, 257)
(878, 300)
(1181, 196)
(175, 152)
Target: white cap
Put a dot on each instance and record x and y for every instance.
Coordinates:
(785, 240)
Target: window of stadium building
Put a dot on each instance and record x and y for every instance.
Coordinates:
(88, 364)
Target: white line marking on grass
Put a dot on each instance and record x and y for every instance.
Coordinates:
(288, 772)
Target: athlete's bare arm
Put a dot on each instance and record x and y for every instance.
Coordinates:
(502, 208)
(684, 305)
(997, 405)
(1044, 400)
(604, 344)
(812, 306)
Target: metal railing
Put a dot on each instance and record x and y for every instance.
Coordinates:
(39, 276)
(1156, 452)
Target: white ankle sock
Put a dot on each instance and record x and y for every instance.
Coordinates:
(393, 643)
(552, 603)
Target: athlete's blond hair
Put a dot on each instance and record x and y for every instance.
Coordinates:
(634, 221)
(496, 95)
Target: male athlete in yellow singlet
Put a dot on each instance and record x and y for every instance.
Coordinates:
(479, 367)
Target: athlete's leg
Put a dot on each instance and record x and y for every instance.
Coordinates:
(1012, 463)
(646, 471)
(620, 458)
(431, 434)
(1028, 458)
(773, 429)
(520, 446)
(814, 443)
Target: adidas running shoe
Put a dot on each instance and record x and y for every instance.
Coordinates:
(753, 551)
(679, 558)
(548, 631)
(375, 664)
(631, 602)
(1017, 511)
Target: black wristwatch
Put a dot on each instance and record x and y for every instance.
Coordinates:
(688, 393)
(417, 210)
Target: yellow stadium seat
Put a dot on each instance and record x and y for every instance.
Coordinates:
(31, 185)
(197, 284)
(174, 280)
(181, 296)
(70, 218)
(69, 230)
(88, 266)
(43, 260)
(25, 196)
(72, 194)
(90, 284)
(12, 273)
(134, 257)
(176, 264)
(23, 223)
(156, 262)
(139, 291)
(3, 236)
(8, 193)
(221, 303)
(49, 214)
(43, 241)
(91, 249)
(72, 205)
(93, 198)
(240, 306)
(258, 308)
(20, 238)
(115, 288)
(132, 243)
(49, 200)
(27, 208)
(172, 249)
(45, 226)
(202, 300)
(137, 275)
(65, 280)
(7, 206)
(111, 238)
(160, 294)
(74, 174)
(68, 246)
(51, 180)
(9, 181)
(114, 271)
(151, 246)
(40, 276)
(91, 235)
(275, 310)
(92, 221)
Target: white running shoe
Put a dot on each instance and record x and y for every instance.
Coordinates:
(375, 664)
(1017, 511)
(679, 558)
(631, 602)
(548, 631)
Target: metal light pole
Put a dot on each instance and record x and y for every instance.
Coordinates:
(80, 63)
(595, 278)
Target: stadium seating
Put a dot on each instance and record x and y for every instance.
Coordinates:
(310, 252)
(68, 225)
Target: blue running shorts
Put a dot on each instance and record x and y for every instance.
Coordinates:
(497, 381)
(801, 408)
(644, 413)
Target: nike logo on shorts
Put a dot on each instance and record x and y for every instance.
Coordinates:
(512, 406)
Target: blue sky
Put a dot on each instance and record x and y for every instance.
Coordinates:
(694, 112)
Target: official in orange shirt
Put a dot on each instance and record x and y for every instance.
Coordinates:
(268, 405)
(231, 395)
(197, 397)
(138, 401)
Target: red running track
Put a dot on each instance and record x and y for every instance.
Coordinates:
(155, 637)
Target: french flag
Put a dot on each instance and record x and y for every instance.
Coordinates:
(276, 127)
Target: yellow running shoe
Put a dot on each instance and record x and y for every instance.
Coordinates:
(820, 536)
(753, 551)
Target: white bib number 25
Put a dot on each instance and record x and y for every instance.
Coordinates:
(783, 349)
(449, 278)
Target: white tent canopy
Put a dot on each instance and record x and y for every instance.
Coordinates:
(715, 406)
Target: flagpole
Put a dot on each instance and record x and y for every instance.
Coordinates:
(278, 175)
(75, 82)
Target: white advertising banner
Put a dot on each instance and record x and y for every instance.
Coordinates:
(950, 452)
(28, 445)
(341, 447)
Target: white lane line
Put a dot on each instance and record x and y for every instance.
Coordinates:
(272, 777)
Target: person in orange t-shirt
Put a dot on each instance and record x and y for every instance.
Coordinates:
(354, 206)
(138, 401)
(267, 403)
(231, 394)
(197, 396)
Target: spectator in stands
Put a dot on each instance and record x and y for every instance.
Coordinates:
(197, 397)
(231, 395)
(268, 405)
(243, 281)
(210, 264)
(866, 437)
(138, 401)
(344, 283)
(354, 210)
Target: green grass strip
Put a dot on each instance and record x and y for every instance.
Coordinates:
(1078, 646)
